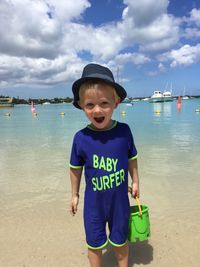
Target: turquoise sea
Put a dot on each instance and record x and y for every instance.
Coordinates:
(35, 186)
(34, 150)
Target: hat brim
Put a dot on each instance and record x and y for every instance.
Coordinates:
(121, 92)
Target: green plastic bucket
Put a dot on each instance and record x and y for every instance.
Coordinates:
(139, 224)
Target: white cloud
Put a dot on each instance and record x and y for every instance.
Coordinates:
(185, 56)
(192, 33)
(162, 34)
(42, 40)
(148, 25)
(144, 12)
(30, 29)
(195, 16)
(192, 29)
(135, 58)
(39, 71)
(143, 23)
(32, 47)
(44, 28)
(120, 60)
(67, 10)
(103, 42)
(160, 69)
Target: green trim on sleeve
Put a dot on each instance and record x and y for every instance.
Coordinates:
(135, 157)
(75, 167)
(94, 248)
(117, 245)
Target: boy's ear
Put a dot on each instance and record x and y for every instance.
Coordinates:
(79, 102)
(117, 103)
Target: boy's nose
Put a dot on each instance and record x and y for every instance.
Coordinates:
(97, 108)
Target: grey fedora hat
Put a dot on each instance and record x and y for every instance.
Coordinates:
(96, 72)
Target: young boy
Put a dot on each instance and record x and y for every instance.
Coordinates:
(106, 150)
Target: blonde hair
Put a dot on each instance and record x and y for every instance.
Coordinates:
(94, 84)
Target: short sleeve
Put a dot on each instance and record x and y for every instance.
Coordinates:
(76, 158)
(132, 151)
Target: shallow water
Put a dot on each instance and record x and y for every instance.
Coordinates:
(34, 150)
(35, 187)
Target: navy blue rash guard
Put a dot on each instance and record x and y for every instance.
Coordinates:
(105, 155)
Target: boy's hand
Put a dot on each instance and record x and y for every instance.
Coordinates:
(74, 204)
(134, 190)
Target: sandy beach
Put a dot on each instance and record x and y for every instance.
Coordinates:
(45, 235)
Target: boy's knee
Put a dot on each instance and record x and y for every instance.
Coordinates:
(121, 253)
(94, 253)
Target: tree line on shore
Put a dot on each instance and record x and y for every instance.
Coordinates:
(39, 101)
(57, 100)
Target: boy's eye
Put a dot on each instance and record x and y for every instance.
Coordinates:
(104, 103)
(89, 105)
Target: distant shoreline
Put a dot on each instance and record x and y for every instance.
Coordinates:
(68, 100)
(40, 101)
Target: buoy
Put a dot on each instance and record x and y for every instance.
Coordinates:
(179, 100)
(32, 107)
(123, 113)
(179, 104)
(197, 110)
(157, 112)
(62, 113)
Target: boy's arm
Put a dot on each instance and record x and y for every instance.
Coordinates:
(75, 176)
(133, 170)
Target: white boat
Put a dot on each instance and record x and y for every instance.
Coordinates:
(158, 96)
(185, 97)
(167, 96)
(129, 104)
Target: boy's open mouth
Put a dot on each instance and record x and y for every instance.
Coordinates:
(99, 119)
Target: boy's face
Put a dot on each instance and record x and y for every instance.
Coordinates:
(98, 105)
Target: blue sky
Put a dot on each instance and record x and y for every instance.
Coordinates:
(45, 44)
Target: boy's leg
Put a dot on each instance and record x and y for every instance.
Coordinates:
(121, 254)
(95, 257)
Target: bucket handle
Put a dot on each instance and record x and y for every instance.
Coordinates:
(137, 200)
